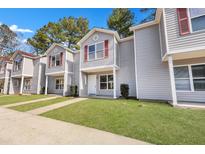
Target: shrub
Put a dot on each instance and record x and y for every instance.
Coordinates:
(43, 90)
(74, 90)
(124, 88)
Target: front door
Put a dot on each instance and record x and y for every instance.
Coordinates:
(91, 84)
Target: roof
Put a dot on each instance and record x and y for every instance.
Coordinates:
(24, 54)
(5, 58)
(107, 31)
(56, 44)
(150, 23)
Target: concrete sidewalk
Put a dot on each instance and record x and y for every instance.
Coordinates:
(23, 128)
(55, 106)
(32, 101)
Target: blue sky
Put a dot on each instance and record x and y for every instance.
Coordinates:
(29, 20)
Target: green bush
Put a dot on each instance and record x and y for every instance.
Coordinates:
(124, 88)
(74, 90)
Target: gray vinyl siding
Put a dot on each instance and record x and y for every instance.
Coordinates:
(162, 37)
(126, 73)
(28, 66)
(196, 96)
(54, 51)
(177, 42)
(52, 85)
(152, 75)
(99, 62)
(76, 69)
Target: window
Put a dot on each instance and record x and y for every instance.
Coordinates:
(27, 84)
(2, 68)
(106, 82)
(197, 18)
(59, 83)
(182, 79)
(198, 73)
(56, 60)
(190, 78)
(96, 51)
(16, 82)
(17, 65)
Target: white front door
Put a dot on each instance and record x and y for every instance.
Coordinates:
(91, 84)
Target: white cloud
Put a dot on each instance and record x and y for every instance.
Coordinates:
(16, 29)
(1, 23)
(24, 41)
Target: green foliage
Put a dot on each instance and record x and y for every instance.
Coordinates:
(121, 20)
(74, 90)
(66, 31)
(8, 40)
(151, 14)
(124, 88)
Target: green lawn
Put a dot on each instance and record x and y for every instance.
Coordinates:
(35, 105)
(18, 98)
(157, 123)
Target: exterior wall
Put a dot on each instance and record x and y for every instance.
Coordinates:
(162, 36)
(76, 70)
(152, 75)
(100, 62)
(126, 73)
(54, 51)
(35, 77)
(177, 42)
(13, 88)
(196, 96)
(28, 66)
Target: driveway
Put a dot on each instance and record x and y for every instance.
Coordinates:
(24, 128)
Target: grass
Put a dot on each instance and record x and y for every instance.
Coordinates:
(31, 106)
(19, 98)
(156, 123)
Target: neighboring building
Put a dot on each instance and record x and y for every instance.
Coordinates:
(170, 56)
(28, 73)
(5, 73)
(61, 69)
(106, 61)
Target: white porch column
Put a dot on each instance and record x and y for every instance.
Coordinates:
(39, 80)
(22, 83)
(65, 87)
(172, 80)
(80, 83)
(46, 86)
(115, 83)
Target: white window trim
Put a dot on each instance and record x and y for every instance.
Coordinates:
(190, 77)
(96, 51)
(55, 55)
(106, 82)
(26, 86)
(190, 23)
(59, 83)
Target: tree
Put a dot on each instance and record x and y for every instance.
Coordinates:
(121, 20)
(8, 40)
(150, 14)
(67, 31)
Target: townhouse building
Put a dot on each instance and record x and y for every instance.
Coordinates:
(62, 67)
(27, 73)
(163, 60)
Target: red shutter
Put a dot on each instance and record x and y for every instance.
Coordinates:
(106, 49)
(183, 21)
(49, 62)
(61, 58)
(86, 53)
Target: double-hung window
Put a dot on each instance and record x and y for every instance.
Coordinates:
(197, 19)
(96, 51)
(59, 83)
(56, 60)
(198, 73)
(106, 82)
(190, 78)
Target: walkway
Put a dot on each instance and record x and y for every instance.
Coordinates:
(32, 101)
(23, 128)
(55, 106)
